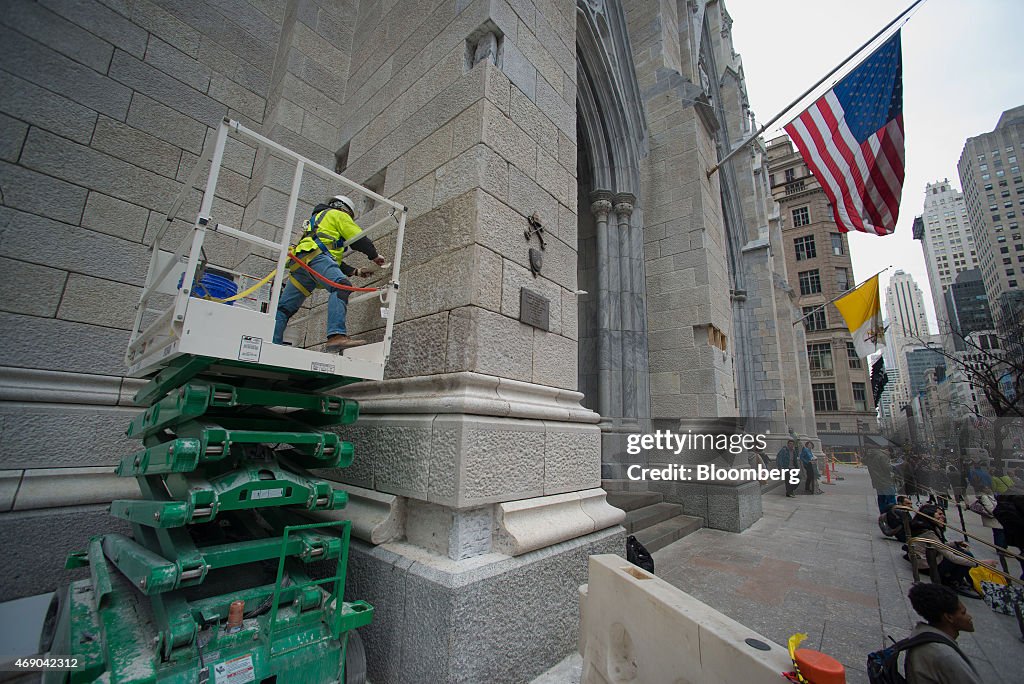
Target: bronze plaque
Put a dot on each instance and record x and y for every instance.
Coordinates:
(534, 309)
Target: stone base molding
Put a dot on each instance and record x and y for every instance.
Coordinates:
(376, 517)
(489, 618)
(532, 524)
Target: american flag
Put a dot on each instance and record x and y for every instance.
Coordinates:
(852, 140)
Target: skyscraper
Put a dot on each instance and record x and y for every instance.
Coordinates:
(904, 307)
(994, 186)
(907, 329)
(947, 242)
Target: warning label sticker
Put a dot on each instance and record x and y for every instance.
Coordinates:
(267, 493)
(234, 671)
(322, 367)
(250, 348)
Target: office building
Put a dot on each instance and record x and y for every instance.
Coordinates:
(947, 242)
(967, 306)
(991, 178)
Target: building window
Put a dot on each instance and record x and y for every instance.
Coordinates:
(819, 358)
(860, 396)
(805, 247)
(815, 318)
(837, 244)
(851, 355)
(825, 397)
(810, 282)
(790, 174)
(843, 279)
(801, 216)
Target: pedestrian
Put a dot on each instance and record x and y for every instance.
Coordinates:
(1009, 511)
(979, 476)
(955, 480)
(322, 248)
(985, 507)
(880, 471)
(953, 567)
(892, 521)
(939, 662)
(911, 469)
(809, 462)
(786, 460)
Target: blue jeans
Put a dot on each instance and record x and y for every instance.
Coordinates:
(292, 298)
(885, 502)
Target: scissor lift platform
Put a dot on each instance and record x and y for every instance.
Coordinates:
(191, 326)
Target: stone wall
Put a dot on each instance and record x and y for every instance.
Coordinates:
(684, 237)
(106, 108)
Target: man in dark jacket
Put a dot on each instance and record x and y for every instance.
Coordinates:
(1010, 514)
(786, 460)
(880, 471)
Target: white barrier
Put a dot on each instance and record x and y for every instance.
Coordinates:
(635, 627)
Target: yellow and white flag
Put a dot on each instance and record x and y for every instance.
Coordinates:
(863, 315)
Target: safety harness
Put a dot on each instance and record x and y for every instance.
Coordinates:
(296, 261)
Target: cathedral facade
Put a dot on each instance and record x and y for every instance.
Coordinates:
(549, 151)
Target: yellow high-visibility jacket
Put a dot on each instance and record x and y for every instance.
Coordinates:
(334, 228)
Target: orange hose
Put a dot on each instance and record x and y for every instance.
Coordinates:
(330, 283)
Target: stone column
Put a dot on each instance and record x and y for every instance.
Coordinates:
(601, 208)
(628, 338)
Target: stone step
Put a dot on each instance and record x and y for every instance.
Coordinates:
(664, 533)
(645, 517)
(630, 501)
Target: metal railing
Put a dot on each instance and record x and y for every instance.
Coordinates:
(151, 340)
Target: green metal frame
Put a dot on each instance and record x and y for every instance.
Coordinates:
(221, 495)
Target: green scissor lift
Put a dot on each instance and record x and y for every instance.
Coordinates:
(223, 472)
(231, 575)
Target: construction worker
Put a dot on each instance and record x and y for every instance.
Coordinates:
(322, 248)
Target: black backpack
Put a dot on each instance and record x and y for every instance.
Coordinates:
(884, 665)
(638, 555)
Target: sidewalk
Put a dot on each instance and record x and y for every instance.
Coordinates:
(819, 565)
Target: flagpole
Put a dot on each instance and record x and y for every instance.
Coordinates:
(839, 296)
(807, 92)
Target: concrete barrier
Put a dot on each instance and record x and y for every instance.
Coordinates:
(635, 627)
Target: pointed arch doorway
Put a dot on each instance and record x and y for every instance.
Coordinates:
(611, 139)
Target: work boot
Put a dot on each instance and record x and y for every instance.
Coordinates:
(339, 343)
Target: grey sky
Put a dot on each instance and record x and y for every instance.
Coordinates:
(961, 69)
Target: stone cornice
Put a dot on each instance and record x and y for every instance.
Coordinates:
(470, 393)
(59, 387)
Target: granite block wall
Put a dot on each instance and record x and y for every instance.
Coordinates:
(106, 107)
